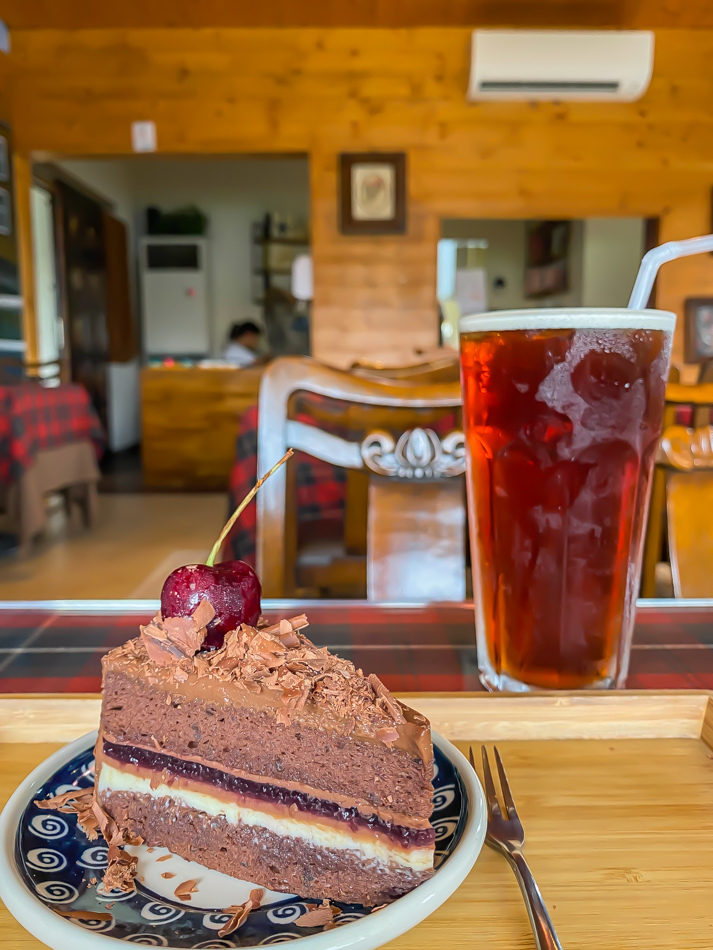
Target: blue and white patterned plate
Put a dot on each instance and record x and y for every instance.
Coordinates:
(53, 867)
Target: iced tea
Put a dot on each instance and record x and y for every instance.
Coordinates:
(563, 413)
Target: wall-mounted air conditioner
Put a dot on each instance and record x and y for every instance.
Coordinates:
(600, 65)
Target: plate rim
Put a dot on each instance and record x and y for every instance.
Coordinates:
(366, 933)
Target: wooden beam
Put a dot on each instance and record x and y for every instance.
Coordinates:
(614, 14)
(23, 185)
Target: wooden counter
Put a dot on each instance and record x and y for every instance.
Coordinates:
(189, 421)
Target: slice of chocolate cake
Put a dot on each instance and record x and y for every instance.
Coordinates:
(268, 759)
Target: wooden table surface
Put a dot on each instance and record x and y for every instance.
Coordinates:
(615, 792)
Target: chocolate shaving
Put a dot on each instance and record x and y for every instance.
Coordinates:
(241, 911)
(116, 843)
(160, 650)
(318, 915)
(386, 698)
(84, 915)
(378, 907)
(58, 801)
(286, 629)
(203, 614)
(237, 920)
(183, 891)
(108, 828)
(88, 823)
(79, 802)
(120, 872)
(174, 638)
(168, 874)
(121, 867)
(164, 857)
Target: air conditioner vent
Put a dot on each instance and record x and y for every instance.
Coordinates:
(539, 85)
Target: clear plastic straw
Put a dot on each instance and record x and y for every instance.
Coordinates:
(654, 258)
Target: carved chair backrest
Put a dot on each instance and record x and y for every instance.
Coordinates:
(416, 505)
(683, 482)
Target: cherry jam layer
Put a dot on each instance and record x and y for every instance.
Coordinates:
(308, 805)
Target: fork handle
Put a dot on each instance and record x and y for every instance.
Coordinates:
(542, 927)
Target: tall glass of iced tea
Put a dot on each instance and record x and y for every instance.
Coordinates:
(562, 412)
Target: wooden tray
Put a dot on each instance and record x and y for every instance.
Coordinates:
(615, 792)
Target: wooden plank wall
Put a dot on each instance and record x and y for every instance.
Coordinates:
(326, 91)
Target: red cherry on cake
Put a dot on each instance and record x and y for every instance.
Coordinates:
(232, 588)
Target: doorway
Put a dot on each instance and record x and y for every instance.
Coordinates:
(487, 264)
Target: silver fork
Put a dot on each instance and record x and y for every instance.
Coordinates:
(507, 836)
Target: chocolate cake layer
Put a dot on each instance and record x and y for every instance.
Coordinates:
(258, 855)
(251, 739)
(261, 792)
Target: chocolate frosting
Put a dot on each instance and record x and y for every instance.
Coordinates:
(280, 668)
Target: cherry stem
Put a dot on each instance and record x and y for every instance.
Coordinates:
(241, 507)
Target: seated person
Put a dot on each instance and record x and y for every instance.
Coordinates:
(243, 342)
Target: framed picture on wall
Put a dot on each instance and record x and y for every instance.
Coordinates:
(372, 193)
(698, 329)
(547, 258)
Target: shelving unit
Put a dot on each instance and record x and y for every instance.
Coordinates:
(271, 268)
(272, 260)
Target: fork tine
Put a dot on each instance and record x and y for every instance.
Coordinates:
(470, 756)
(490, 794)
(504, 786)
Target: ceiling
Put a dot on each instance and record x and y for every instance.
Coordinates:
(88, 14)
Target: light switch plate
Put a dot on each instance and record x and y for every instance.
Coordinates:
(143, 136)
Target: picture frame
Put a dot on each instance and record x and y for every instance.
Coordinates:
(547, 258)
(698, 329)
(372, 193)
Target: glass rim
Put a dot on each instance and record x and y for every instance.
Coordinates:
(568, 318)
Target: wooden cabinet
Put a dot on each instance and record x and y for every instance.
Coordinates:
(190, 419)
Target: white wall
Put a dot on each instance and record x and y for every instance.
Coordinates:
(232, 192)
(504, 256)
(613, 248)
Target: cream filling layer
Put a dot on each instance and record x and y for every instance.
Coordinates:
(112, 779)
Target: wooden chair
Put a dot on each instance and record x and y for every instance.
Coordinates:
(688, 455)
(444, 369)
(416, 505)
(682, 499)
(702, 414)
(441, 366)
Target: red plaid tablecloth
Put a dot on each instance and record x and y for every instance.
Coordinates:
(413, 648)
(320, 487)
(33, 418)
